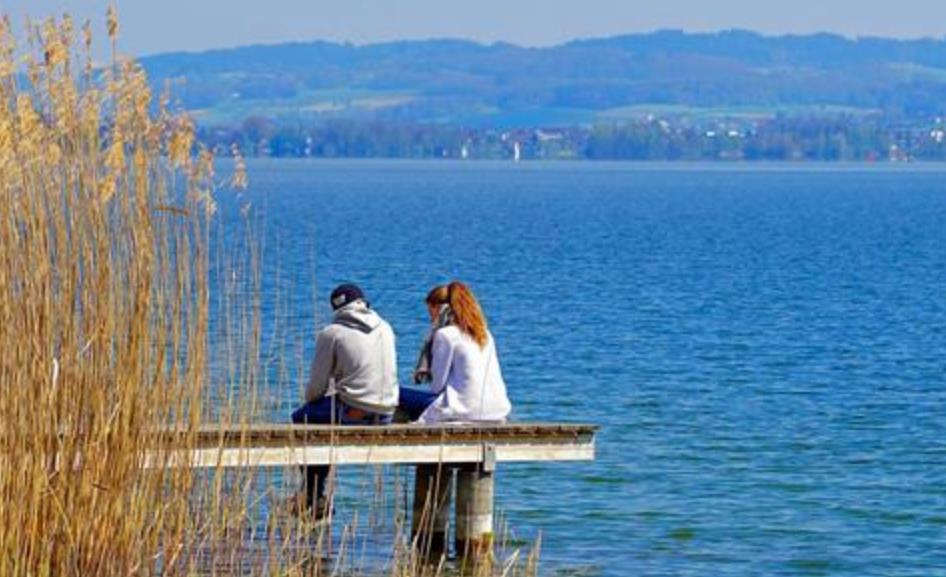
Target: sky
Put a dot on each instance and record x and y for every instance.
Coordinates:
(154, 26)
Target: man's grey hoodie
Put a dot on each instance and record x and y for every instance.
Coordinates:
(355, 359)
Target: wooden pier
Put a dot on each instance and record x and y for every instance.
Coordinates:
(473, 452)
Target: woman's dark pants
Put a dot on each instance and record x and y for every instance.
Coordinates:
(414, 402)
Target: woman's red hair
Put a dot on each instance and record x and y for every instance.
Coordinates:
(467, 313)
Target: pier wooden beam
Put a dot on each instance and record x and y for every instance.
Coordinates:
(430, 520)
(289, 445)
(475, 489)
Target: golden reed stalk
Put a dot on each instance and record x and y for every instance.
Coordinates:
(103, 311)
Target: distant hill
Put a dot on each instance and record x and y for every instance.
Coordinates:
(463, 83)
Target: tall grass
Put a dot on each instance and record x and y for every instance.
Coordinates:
(103, 309)
(106, 212)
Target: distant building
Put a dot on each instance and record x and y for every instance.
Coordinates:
(897, 154)
(544, 136)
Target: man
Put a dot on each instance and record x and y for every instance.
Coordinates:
(353, 381)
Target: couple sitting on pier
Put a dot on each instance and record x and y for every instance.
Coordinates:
(353, 380)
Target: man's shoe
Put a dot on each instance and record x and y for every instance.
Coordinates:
(298, 506)
(323, 510)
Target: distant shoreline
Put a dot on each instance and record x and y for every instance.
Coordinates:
(675, 165)
(575, 161)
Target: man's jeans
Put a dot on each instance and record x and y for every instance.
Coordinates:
(329, 411)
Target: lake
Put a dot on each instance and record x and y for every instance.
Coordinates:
(764, 347)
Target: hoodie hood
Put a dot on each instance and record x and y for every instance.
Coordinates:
(358, 316)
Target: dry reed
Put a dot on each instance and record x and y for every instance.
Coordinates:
(105, 313)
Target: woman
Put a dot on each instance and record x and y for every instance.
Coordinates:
(459, 360)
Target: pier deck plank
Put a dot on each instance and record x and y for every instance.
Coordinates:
(287, 445)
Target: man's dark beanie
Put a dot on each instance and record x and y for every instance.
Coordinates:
(345, 294)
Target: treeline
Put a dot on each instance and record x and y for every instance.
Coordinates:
(460, 82)
(783, 138)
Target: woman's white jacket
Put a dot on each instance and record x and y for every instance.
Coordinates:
(468, 379)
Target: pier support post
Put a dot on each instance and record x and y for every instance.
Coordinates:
(475, 483)
(431, 510)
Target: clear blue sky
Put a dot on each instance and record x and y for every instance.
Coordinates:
(152, 26)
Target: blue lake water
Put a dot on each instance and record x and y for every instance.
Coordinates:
(764, 347)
